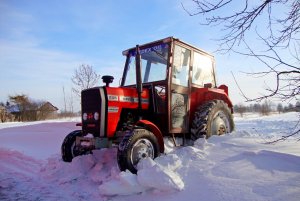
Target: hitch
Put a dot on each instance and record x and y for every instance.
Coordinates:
(88, 143)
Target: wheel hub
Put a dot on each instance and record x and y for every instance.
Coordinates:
(77, 151)
(220, 124)
(142, 148)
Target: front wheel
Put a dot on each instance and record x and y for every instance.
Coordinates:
(68, 147)
(136, 145)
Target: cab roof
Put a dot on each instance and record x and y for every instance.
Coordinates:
(167, 40)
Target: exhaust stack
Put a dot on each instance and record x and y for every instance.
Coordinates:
(139, 84)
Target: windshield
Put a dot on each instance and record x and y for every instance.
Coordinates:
(154, 64)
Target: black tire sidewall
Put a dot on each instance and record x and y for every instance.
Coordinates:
(203, 118)
(66, 147)
(124, 156)
(219, 106)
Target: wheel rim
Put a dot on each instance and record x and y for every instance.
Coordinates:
(220, 124)
(142, 148)
(73, 151)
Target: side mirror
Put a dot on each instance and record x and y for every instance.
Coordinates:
(107, 79)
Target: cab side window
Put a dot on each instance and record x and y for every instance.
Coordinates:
(181, 66)
(203, 70)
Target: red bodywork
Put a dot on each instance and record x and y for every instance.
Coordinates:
(155, 130)
(201, 95)
(124, 97)
(119, 98)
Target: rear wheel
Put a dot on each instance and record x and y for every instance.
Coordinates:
(68, 147)
(212, 118)
(136, 145)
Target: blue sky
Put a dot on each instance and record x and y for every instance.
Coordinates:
(42, 42)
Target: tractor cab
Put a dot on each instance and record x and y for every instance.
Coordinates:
(171, 70)
(168, 88)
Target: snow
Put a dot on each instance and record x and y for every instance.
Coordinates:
(238, 166)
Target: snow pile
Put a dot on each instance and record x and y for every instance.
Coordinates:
(125, 183)
(159, 175)
(100, 169)
(150, 176)
(17, 173)
(153, 175)
(14, 162)
(86, 167)
(238, 166)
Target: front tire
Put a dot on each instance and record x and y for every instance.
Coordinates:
(212, 118)
(136, 145)
(68, 147)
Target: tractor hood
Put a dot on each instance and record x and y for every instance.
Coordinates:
(120, 98)
(102, 103)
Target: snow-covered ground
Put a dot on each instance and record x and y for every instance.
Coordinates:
(239, 166)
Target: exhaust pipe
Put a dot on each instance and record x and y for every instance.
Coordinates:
(139, 84)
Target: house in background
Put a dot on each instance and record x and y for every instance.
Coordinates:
(28, 112)
(46, 111)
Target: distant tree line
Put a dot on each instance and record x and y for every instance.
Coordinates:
(266, 108)
(22, 108)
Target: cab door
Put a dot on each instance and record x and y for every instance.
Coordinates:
(179, 90)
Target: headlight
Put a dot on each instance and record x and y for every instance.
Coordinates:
(84, 116)
(96, 116)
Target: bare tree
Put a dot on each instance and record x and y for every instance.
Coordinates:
(65, 103)
(71, 102)
(3, 114)
(297, 106)
(265, 108)
(277, 33)
(24, 108)
(21, 106)
(68, 110)
(279, 108)
(277, 45)
(240, 108)
(84, 77)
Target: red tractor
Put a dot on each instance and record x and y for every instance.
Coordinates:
(168, 88)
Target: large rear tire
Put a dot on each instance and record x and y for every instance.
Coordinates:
(68, 147)
(212, 118)
(136, 145)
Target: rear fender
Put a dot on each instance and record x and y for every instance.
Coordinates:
(218, 95)
(155, 130)
(200, 96)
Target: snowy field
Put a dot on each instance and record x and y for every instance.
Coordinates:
(240, 166)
